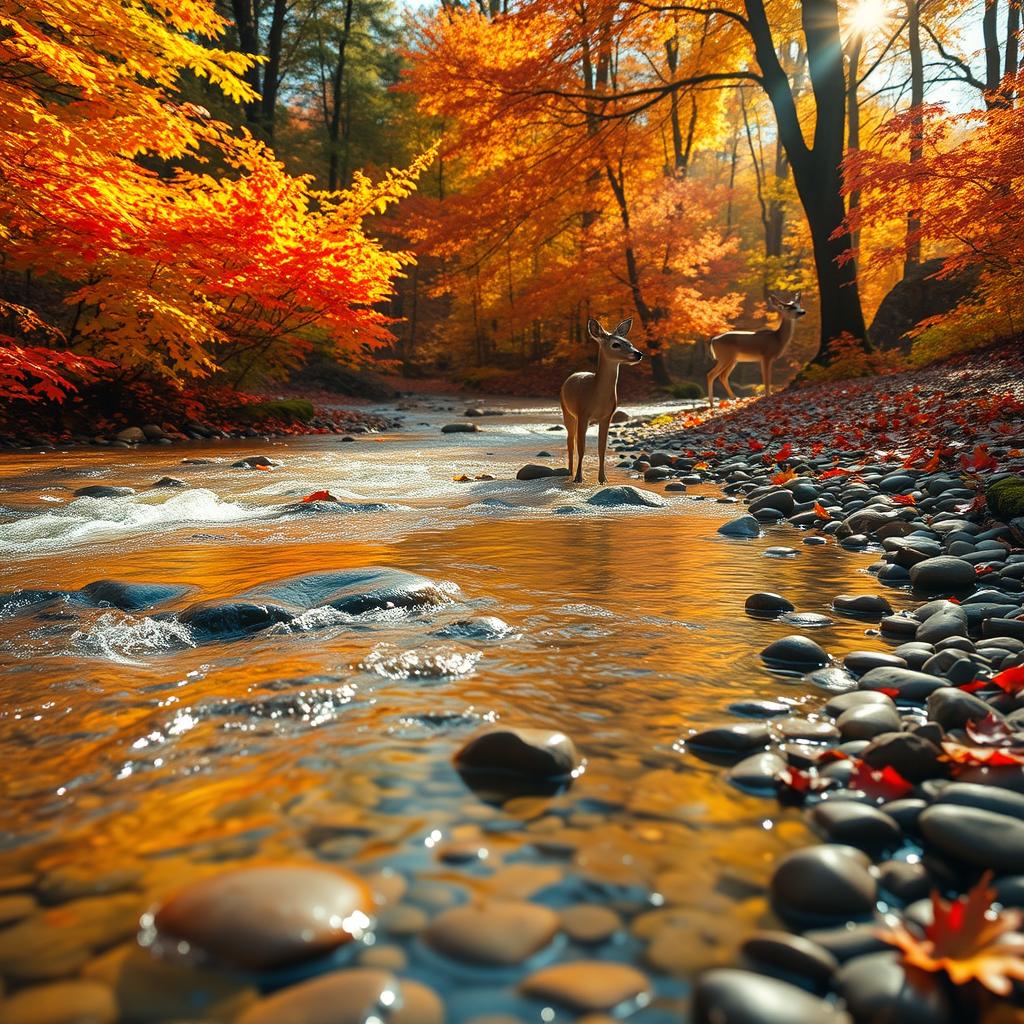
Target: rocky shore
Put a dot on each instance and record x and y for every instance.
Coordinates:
(910, 765)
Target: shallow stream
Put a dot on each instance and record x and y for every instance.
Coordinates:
(133, 756)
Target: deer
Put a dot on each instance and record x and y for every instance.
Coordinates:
(763, 346)
(592, 397)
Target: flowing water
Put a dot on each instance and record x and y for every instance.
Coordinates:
(134, 757)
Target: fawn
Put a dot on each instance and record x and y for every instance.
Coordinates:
(592, 397)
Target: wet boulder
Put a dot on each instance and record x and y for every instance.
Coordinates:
(974, 836)
(268, 916)
(795, 653)
(878, 988)
(169, 481)
(356, 591)
(481, 627)
(103, 491)
(862, 606)
(460, 428)
(624, 495)
(943, 574)
(518, 761)
(532, 471)
(253, 461)
(499, 933)
(745, 527)
(823, 883)
(130, 597)
(767, 605)
(229, 620)
(729, 996)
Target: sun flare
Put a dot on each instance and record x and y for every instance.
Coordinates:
(868, 15)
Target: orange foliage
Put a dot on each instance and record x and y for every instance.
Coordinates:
(178, 272)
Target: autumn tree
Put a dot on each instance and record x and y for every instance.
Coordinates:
(167, 272)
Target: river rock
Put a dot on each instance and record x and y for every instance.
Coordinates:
(911, 754)
(496, 934)
(229, 620)
(953, 709)
(856, 824)
(974, 836)
(130, 597)
(764, 604)
(902, 683)
(268, 916)
(531, 471)
(859, 662)
(866, 721)
(589, 924)
(842, 702)
(757, 773)
(624, 495)
(252, 461)
(64, 1002)
(780, 501)
(103, 491)
(823, 882)
(481, 627)
(131, 435)
(878, 989)
(745, 526)
(795, 652)
(729, 996)
(169, 481)
(352, 996)
(739, 738)
(862, 606)
(587, 986)
(943, 574)
(946, 623)
(986, 798)
(519, 760)
(460, 428)
(784, 954)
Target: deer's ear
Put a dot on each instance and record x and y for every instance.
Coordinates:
(595, 330)
(798, 296)
(623, 329)
(773, 300)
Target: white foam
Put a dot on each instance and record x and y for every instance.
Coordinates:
(98, 519)
(117, 636)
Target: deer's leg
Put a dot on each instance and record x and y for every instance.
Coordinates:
(766, 375)
(712, 376)
(570, 434)
(602, 444)
(581, 446)
(724, 377)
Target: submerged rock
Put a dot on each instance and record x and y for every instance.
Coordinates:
(587, 986)
(497, 934)
(269, 916)
(252, 461)
(745, 526)
(355, 591)
(482, 627)
(795, 652)
(827, 882)
(103, 491)
(730, 996)
(460, 428)
(513, 761)
(352, 996)
(227, 620)
(131, 597)
(624, 494)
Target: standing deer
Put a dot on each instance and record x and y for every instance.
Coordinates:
(763, 346)
(592, 397)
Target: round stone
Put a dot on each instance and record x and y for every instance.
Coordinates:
(877, 987)
(943, 574)
(587, 986)
(519, 760)
(804, 730)
(745, 526)
(862, 606)
(986, 798)
(859, 662)
(729, 996)
(795, 652)
(64, 1002)
(856, 824)
(902, 683)
(827, 882)
(772, 952)
(349, 997)
(806, 620)
(739, 738)
(767, 604)
(588, 924)
(970, 835)
(865, 721)
(842, 702)
(914, 756)
(268, 916)
(498, 933)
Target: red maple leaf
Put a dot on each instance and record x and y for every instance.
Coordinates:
(879, 783)
(319, 496)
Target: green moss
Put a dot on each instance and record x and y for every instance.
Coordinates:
(1006, 497)
(685, 389)
(289, 410)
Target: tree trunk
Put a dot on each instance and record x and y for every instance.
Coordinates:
(853, 118)
(337, 82)
(1012, 42)
(913, 236)
(249, 42)
(817, 171)
(990, 33)
(272, 69)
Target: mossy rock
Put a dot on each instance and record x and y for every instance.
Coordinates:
(288, 410)
(1006, 497)
(685, 389)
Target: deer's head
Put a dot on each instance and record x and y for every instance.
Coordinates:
(790, 308)
(613, 344)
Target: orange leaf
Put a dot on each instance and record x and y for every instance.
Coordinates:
(784, 477)
(820, 511)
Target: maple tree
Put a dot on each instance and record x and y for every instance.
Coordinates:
(180, 247)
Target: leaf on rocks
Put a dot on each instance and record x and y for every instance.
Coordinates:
(831, 473)
(754, 445)
(966, 941)
(879, 783)
(793, 786)
(319, 496)
(980, 459)
(904, 499)
(820, 511)
(977, 756)
(784, 477)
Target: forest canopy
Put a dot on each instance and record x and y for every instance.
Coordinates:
(193, 193)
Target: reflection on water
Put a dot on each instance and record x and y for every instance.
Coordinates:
(132, 757)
